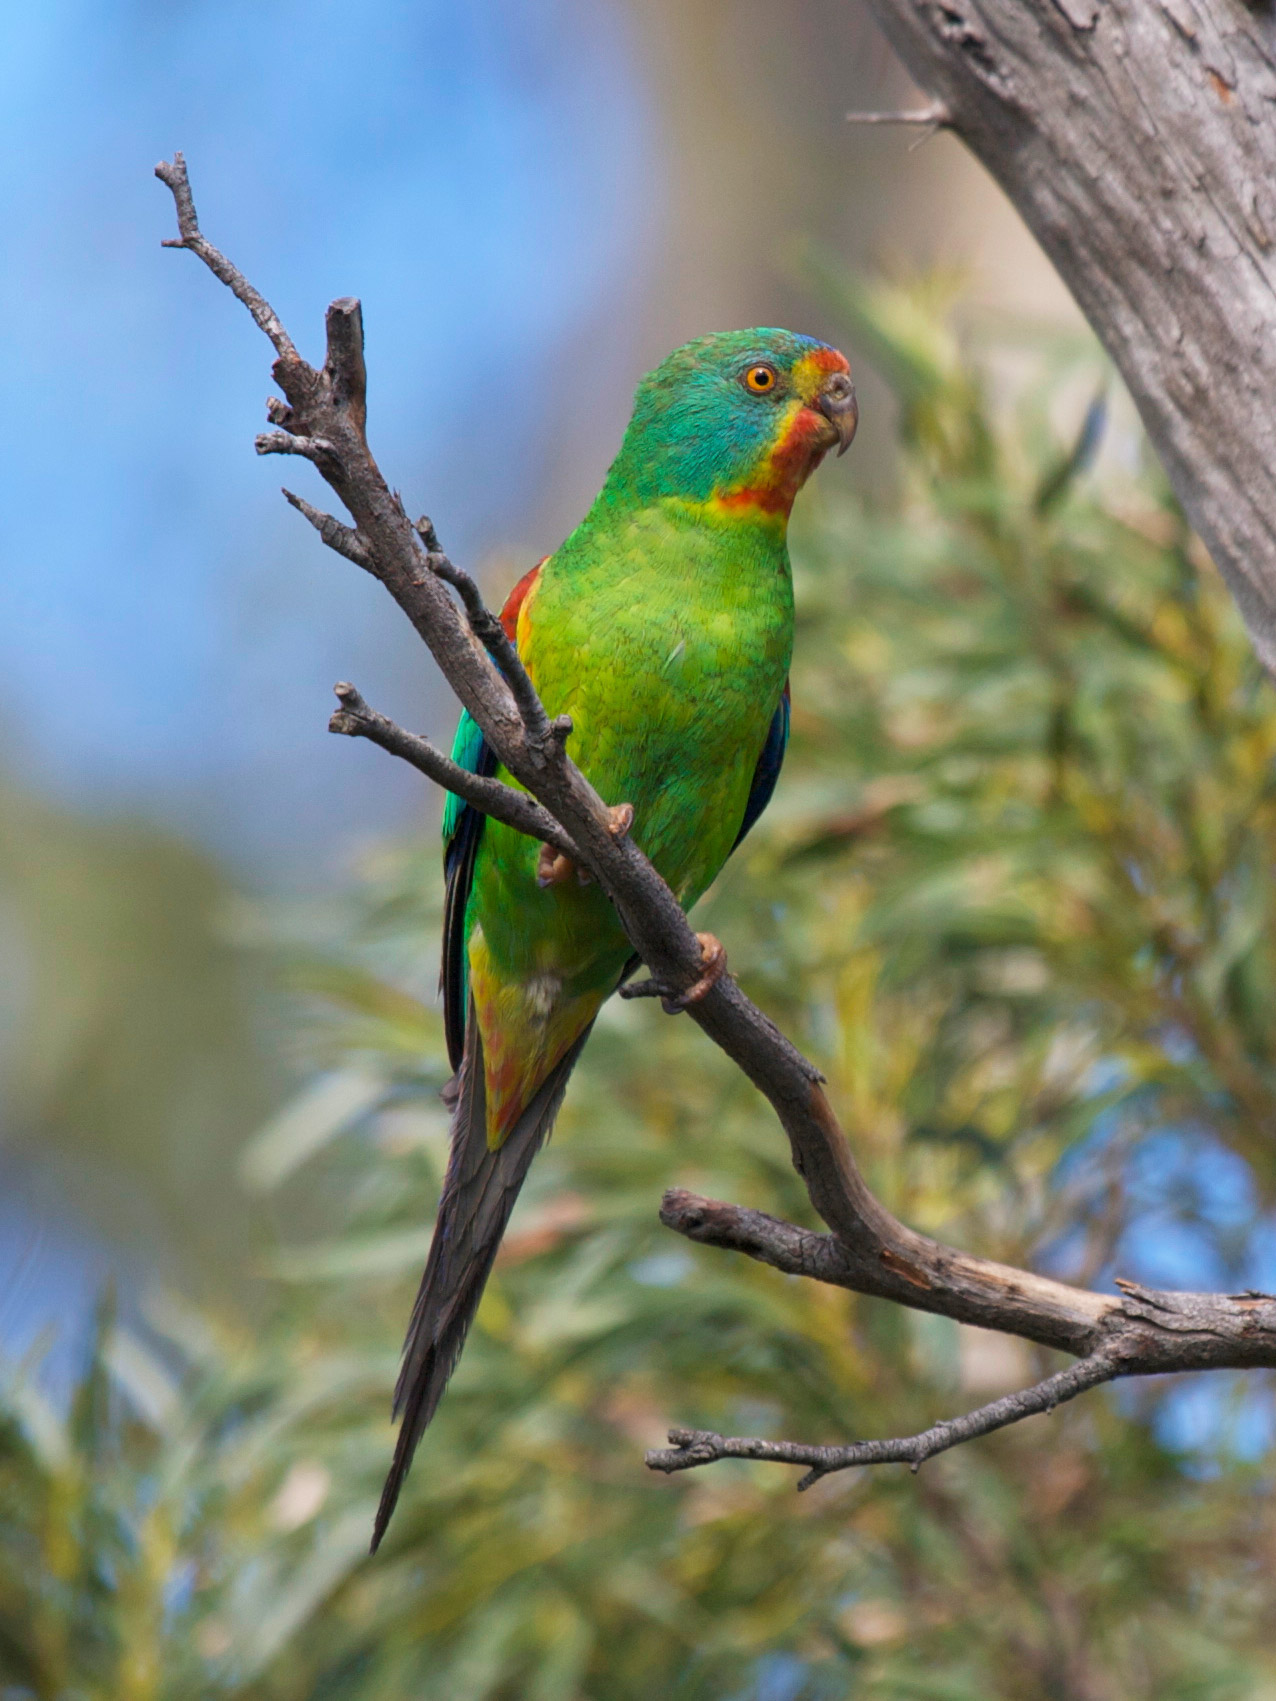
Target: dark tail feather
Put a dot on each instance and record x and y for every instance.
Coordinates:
(479, 1191)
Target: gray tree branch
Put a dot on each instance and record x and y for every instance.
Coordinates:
(693, 1447)
(868, 1250)
(356, 720)
(492, 635)
(1137, 139)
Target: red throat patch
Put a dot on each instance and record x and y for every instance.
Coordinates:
(800, 447)
(786, 468)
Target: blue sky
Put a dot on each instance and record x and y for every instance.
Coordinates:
(169, 628)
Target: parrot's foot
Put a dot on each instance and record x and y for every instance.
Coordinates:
(713, 963)
(555, 869)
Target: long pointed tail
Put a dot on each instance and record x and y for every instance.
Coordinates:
(479, 1191)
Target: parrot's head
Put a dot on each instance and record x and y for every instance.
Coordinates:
(739, 419)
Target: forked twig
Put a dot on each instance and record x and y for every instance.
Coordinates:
(693, 1447)
(173, 173)
(503, 803)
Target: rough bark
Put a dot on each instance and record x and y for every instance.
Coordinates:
(1137, 139)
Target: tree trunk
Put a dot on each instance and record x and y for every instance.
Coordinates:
(1137, 138)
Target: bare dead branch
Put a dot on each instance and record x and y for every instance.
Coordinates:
(344, 540)
(869, 1251)
(356, 720)
(316, 449)
(344, 368)
(173, 173)
(489, 631)
(693, 1447)
(323, 407)
(876, 1255)
(1138, 1333)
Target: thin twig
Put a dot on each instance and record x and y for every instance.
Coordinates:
(316, 449)
(493, 797)
(345, 540)
(174, 174)
(489, 631)
(937, 117)
(694, 1447)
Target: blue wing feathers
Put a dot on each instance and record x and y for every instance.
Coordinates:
(767, 771)
(462, 831)
(466, 753)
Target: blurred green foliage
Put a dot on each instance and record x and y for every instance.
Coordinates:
(1014, 897)
(122, 998)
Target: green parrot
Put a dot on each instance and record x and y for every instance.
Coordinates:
(663, 626)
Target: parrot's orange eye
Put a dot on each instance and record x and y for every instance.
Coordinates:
(759, 379)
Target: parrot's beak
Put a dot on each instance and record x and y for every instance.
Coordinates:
(836, 401)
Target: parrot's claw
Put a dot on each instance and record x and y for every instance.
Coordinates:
(713, 962)
(555, 869)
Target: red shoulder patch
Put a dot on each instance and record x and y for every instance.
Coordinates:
(517, 597)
